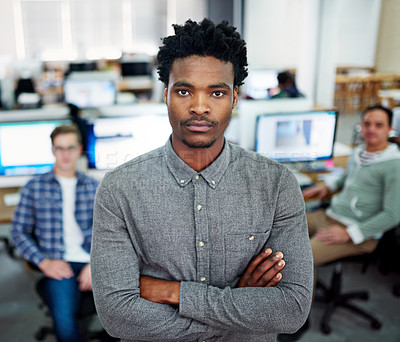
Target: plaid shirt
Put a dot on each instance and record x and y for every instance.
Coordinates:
(38, 222)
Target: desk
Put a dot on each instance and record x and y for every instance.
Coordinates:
(6, 211)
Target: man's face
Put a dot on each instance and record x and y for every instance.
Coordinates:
(200, 97)
(66, 150)
(375, 128)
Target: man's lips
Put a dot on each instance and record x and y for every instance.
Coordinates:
(198, 126)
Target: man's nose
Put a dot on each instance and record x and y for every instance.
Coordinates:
(200, 104)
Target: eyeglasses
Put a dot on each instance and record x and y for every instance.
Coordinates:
(69, 149)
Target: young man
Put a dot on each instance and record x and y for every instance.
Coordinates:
(176, 230)
(52, 228)
(367, 203)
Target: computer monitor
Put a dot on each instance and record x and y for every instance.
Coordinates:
(135, 68)
(25, 147)
(259, 81)
(82, 66)
(296, 137)
(89, 93)
(113, 141)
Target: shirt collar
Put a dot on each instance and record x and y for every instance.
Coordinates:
(184, 174)
(51, 176)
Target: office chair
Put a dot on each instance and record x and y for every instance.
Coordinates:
(86, 313)
(333, 295)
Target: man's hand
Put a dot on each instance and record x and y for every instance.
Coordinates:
(333, 234)
(85, 279)
(263, 270)
(56, 269)
(159, 290)
(319, 191)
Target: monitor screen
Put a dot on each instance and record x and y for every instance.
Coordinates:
(259, 81)
(296, 137)
(25, 147)
(89, 93)
(115, 140)
(135, 68)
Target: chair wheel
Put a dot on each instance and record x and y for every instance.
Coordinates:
(376, 325)
(325, 328)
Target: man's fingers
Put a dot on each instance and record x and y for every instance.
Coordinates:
(253, 265)
(272, 275)
(266, 268)
(258, 260)
(275, 280)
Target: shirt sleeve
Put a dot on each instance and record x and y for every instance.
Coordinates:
(389, 216)
(115, 276)
(23, 228)
(283, 308)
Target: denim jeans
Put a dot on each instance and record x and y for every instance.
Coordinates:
(63, 298)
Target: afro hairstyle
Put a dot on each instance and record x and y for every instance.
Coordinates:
(204, 39)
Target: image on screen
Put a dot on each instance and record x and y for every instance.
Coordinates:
(89, 93)
(25, 147)
(296, 137)
(114, 141)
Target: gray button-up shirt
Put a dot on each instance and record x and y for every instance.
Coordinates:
(156, 216)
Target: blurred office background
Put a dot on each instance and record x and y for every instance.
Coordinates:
(99, 55)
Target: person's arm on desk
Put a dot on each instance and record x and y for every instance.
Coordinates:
(319, 191)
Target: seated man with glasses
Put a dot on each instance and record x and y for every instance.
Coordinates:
(52, 228)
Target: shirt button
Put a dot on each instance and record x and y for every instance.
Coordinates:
(203, 279)
(199, 207)
(197, 176)
(213, 182)
(201, 243)
(181, 181)
(251, 237)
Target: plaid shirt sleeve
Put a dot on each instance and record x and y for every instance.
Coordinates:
(23, 225)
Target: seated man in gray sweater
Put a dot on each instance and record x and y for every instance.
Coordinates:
(175, 230)
(368, 200)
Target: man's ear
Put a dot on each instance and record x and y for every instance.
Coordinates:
(235, 97)
(165, 93)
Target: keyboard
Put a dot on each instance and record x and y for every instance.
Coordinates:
(303, 179)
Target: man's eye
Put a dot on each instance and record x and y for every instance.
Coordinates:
(183, 92)
(218, 93)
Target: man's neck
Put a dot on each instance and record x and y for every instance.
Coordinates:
(198, 158)
(64, 173)
(375, 148)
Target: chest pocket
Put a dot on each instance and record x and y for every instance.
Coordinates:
(239, 250)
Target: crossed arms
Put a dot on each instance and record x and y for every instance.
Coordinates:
(135, 307)
(263, 271)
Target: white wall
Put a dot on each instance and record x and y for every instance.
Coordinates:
(313, 36)
(7, 40)
(388, 50)
(283, 34)
(358, 27)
